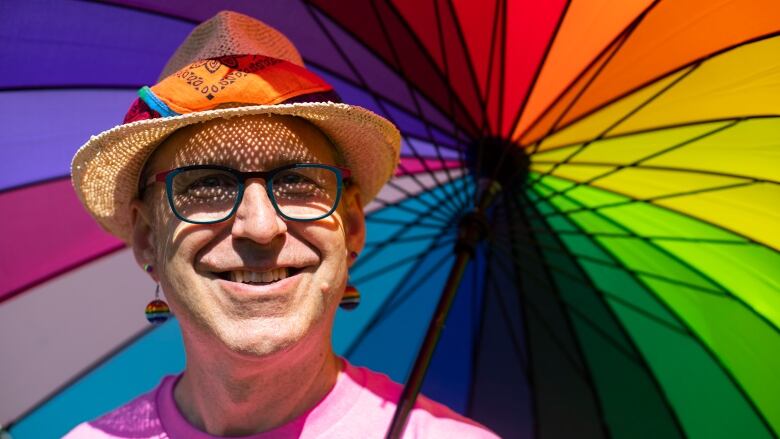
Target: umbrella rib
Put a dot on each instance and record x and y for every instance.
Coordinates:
(642, 361)
(632, 200)
(488, 88)
(144, 9)
(554, 126)
(105, 358)
(507, 319)
(443, 76)
(622, 235)
(528, 366)
(650, 200)
(694, 336)
(726, 291)
(645, 313)
(431, 214)
(620, 120)
(581, 369)
(389, 66)
(700, 273)
(381, 97)
(525, 98)
(631, 234)
(568, 306)
(617, 98)
(404, 223)
(617, 265)
(619, 40)
(411, 195)
(469, 62)
(547, 279)
(523, 297)
(446, 74)
(477, 315)
(364, 85)
(489, 73)
(389, 41)
(571, 276)
(400, 296)
(538, 71)
(433, 157)
(417, 222)
(636, 163)
(664, 127)
(502, 70)
(463, 197)
(420, 114)
(652, 167)
(408, 196)
(448, 212)
(415, 266)
(462, 152)
(407, 239)
(400, 262)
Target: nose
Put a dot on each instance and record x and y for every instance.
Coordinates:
(256, 218)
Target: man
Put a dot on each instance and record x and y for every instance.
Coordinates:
(240, 187)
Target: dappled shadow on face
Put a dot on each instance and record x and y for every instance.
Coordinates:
(209, 194)
(248, 143)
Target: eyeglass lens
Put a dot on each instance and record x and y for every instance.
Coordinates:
(209, 195)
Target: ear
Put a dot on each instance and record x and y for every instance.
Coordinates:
(354, 220)
(142, 239)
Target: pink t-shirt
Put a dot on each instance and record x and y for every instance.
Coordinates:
(360, 405)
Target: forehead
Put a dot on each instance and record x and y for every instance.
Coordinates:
(256, 142)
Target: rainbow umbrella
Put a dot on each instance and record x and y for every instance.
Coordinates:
(627, 284)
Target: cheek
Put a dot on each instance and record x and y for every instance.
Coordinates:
(333, 271)
(179, 245)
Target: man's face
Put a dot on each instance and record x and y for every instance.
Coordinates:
(212, 274)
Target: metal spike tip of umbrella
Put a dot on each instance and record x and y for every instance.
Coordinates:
(622, 284)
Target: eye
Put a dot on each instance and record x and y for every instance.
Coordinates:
(212, 181)
(295, 180)
(202, 183)
(290, 178)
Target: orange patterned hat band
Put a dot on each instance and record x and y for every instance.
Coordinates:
(233, 79)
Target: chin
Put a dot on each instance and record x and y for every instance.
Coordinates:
(262, 337)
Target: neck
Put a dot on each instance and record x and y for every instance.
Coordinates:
(230, 396)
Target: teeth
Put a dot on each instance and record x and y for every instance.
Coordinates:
(244, 276)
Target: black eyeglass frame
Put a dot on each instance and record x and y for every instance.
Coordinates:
(342, 177)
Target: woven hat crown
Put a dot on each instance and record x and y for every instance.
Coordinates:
(245, 62)
(231, 33)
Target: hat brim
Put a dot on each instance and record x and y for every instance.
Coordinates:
(105, 170)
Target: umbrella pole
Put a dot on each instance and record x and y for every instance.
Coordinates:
(473, 228)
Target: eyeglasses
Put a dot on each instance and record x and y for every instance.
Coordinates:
(207, 194)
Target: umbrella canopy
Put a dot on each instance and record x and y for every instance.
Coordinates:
(628, 285)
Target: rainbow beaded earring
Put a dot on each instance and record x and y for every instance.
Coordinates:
(157, 311)
(351, 298)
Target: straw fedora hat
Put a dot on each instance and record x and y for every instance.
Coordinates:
(231, 65)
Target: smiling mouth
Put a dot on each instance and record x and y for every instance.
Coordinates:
(258, 277)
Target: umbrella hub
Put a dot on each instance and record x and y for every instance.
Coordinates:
(494, 158)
